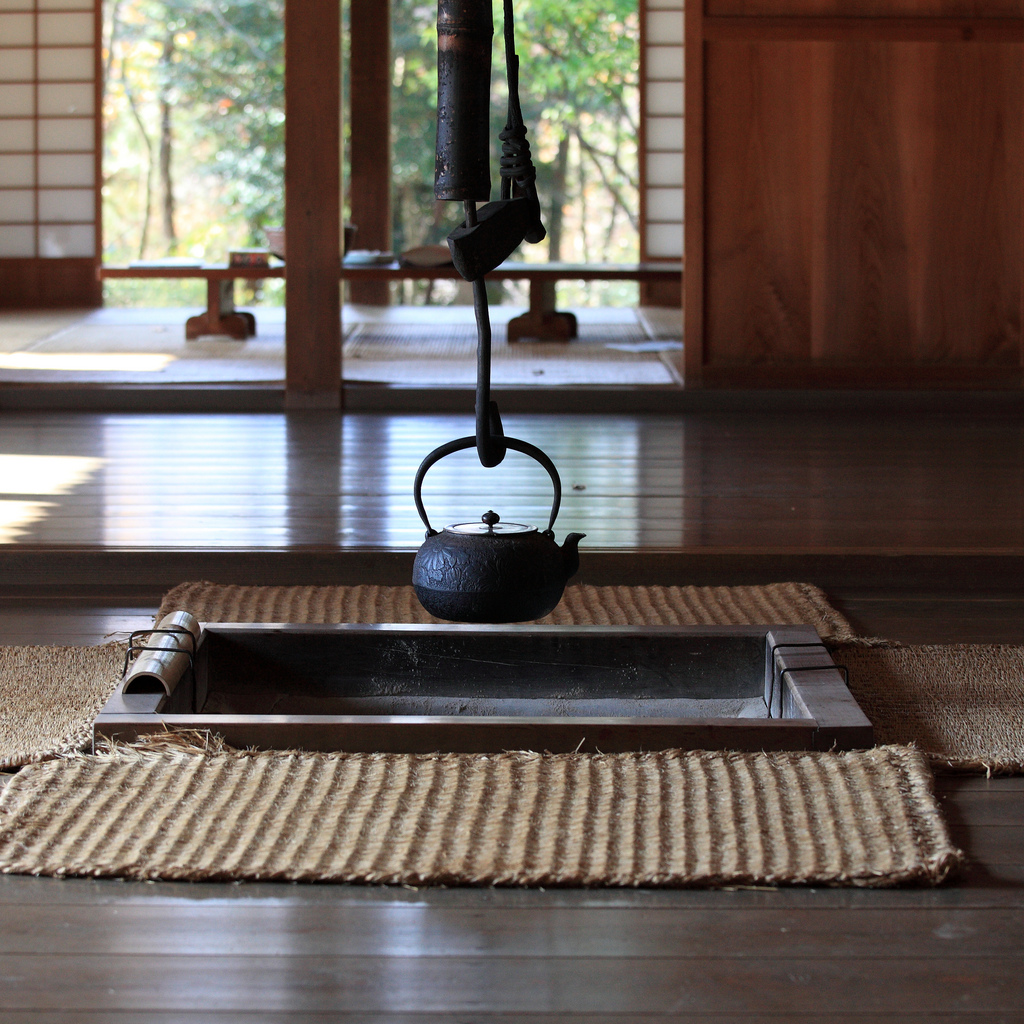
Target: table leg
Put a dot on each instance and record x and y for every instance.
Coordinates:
(543, 321)
(221, 317)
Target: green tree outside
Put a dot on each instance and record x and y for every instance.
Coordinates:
(194, 132)
(193, 135)
(579, 88)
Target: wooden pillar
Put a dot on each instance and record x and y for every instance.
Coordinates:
(369, 147)
(312, 201)
(693, 197)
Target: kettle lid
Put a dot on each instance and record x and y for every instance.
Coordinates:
(490, 523)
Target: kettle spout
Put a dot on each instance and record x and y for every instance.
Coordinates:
(571, 554)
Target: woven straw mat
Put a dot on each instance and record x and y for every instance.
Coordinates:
(961, 704)
(657, 819)
(49, 697)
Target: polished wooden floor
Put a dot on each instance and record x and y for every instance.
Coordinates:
(903, 512)
(850, 481)
(912, 523)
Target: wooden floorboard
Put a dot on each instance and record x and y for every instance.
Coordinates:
(529, 932)
(914, 619)
(486, 1017)
(39, 623)
(694, 482)
(463, 985)
(915, 521)
(915, 506)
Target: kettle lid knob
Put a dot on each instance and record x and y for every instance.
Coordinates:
(491, 518)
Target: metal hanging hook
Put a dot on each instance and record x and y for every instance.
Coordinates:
(490, 448)
(489, 235)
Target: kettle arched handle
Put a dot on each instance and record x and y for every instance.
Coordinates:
(461, 444)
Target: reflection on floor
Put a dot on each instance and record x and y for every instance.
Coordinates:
(829, 482)
(264, 482)
(910, 522)
(388, 345)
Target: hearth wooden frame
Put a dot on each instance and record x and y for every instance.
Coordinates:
(807, 703)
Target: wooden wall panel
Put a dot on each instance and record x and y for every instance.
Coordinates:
(863, 204)
(970, 295)
(758, 218)
(49, 284)
(868, 217)
(867, 8)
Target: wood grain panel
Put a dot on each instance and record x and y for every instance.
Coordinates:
(49, 284)
(863, 264)
(971, 300)
(923, 214)
(863, 207)
(783, 28)
(867, 8)
(758, 220)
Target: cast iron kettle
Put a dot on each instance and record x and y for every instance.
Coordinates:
(490, 571)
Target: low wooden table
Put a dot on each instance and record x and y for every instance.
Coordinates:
(542, 320)
(220, 317)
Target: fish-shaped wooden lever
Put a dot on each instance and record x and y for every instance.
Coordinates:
(500, 227)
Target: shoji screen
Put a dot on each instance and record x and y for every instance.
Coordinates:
(663, 129)
(48, 152)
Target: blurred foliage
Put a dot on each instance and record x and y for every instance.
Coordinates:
(155, 292)
(213, 71)
(579, 74)
(194, 130)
